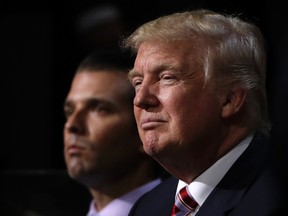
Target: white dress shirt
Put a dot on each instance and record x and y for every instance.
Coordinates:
(122, 205)
(202, 186)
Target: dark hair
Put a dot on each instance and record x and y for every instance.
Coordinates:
(108, 59)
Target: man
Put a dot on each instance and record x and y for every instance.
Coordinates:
(201, 111)
(103, 150)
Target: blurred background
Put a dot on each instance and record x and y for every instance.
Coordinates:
(43, 42)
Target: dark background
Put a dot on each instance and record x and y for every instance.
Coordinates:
(42, 43)
(42, 46)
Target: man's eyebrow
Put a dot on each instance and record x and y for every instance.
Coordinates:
(132, 73)
(67, 103)
(165, 66)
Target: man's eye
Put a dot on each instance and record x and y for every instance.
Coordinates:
(68, 112)
(136, 81)
(167, 77)
(101, 108)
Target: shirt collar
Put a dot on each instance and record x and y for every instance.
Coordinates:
(202, 186)
(122, 205)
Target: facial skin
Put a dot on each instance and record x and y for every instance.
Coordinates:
(178, 119)
(100, 141)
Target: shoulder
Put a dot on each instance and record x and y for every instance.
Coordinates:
(158, 201)
(167, 186)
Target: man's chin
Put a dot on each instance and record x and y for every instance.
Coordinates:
(75, 168)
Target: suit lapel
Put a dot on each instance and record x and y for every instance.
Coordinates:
(239, 177)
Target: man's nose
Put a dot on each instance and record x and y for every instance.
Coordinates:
(75, 123)
(146, 96)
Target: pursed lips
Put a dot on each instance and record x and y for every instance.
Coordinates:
(74, 149)
(150, 123)
(74, 145)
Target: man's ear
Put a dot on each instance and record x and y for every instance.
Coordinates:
(234, 102)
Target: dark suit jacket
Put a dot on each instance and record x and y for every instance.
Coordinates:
(252, 187)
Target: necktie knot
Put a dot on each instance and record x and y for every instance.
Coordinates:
(184, 203)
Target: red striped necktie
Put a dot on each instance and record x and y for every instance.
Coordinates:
(184, 203)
